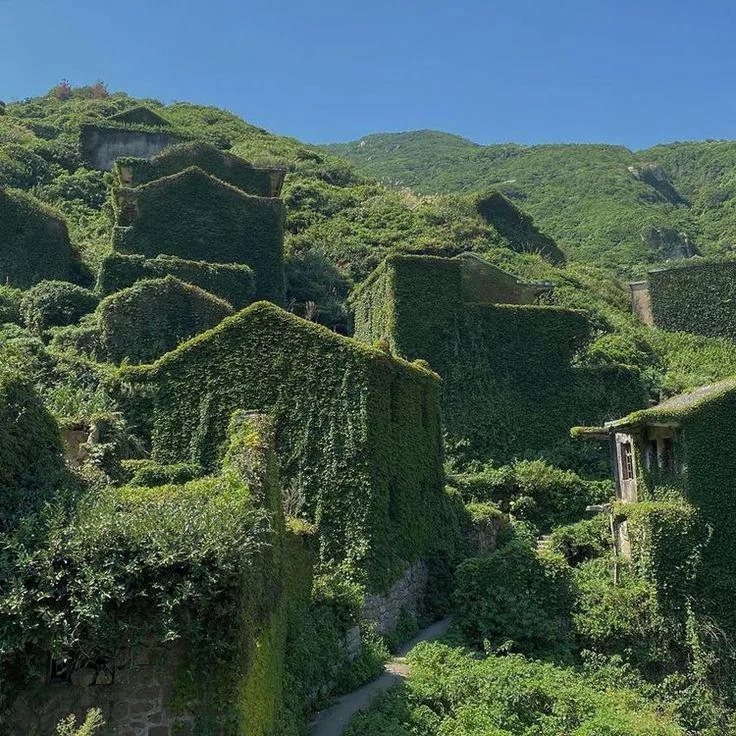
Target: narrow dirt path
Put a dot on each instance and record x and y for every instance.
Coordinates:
(334, 720)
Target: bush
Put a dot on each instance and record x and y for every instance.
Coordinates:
(10, 299)
(515, 599)
(451, 692)
(533, 491)
(150, 474)
(583, 541)
(55, 304)
(625, 618)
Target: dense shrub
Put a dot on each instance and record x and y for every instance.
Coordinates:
(34, 243)
(55, 304)
(453, 693)
(533, 491)
(10, 299)
(514, 599)
(31, 462)
(585, 540)
(153, 316)
(625, 618)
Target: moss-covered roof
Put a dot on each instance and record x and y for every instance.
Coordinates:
(677, 409)
(269, 311)
(141, 115)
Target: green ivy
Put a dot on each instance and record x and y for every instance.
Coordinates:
(233, 282)
(220, 164)
(358, 431)
(697, 297)
(146, 320)
(34, 243)
(194, 216)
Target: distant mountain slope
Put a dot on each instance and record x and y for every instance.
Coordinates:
(601, 203)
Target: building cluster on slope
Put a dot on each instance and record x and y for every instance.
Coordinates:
(192, 307)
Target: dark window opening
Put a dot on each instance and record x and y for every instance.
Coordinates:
(667, 459)
(627, 461)
(652, 455)
(59, 670)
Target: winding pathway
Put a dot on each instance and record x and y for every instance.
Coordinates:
(334, 720)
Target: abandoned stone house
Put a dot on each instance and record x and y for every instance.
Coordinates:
(507, 362)
(195, 216)
(358, 430)
(681, 450)
(697, 295)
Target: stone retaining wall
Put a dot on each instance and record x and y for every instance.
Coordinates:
(134, 693)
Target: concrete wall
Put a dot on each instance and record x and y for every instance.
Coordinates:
(101, 146)
(134, 693)
(641, 302)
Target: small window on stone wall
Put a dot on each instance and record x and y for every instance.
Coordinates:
(668, 454)
(59, 670)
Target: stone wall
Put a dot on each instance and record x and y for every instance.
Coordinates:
(101, 146)
(407, 593)
(134, 692)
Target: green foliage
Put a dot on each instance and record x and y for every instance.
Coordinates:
(232, 282)
(533, 491)
(93, 721)
(10, 299)
(34, 243)
(453, 693)
(194, 216)
(317, 290)
(696, 297)
(54, 304)
(143, 322)
(358, 430)
(514, 599)
(509, 384)
(30, 450)
(585, 540)
(604, 203)
(221, 165)
(516, 226)
(148, 473)
(667, 540)
(626, 618)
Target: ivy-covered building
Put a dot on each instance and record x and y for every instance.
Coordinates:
(195, 216)
(259, 181)
(358, 431)
(509, 382)
(675, 473)
(697, 296)
(34, 243)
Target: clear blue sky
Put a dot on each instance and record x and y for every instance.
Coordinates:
(530, 71)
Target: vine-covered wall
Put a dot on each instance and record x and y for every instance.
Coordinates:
(31, 462)
(34, 243)
(220, 164)
(358, 431)
(233, 282)
(507, 373)
(148, 319)
(698, 298)
(194, 216)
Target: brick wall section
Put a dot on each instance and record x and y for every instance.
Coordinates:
(136, 703)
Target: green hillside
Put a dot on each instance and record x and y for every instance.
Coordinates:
(602, 203)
